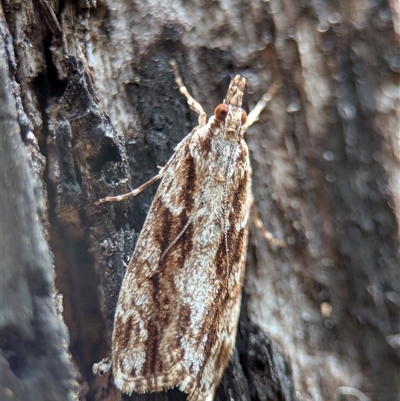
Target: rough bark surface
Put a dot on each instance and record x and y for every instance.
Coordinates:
(98, 110)
(34, 363)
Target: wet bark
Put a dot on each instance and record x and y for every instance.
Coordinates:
(97, 110)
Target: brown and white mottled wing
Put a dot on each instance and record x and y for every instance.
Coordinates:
(146, 296)
(177, 312)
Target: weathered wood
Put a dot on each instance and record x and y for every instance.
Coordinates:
(34, 361)
(101, 100)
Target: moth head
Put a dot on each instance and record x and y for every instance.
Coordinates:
(229, 115)
(230, 119)
(234, 96)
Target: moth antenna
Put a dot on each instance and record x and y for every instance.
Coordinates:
(177, 237)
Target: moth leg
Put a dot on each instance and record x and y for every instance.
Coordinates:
(135, 192)
(266, 234)
(195, 106)
(260, 106)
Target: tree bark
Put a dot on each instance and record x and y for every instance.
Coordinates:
(33, 340)
(98, 110)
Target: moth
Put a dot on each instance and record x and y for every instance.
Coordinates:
(178, 308)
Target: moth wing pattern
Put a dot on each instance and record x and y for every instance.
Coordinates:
(176, 318)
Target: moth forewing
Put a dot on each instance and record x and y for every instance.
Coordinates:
(176, 318)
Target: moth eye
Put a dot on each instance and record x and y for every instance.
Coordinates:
(244, 117)
(220, 112)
